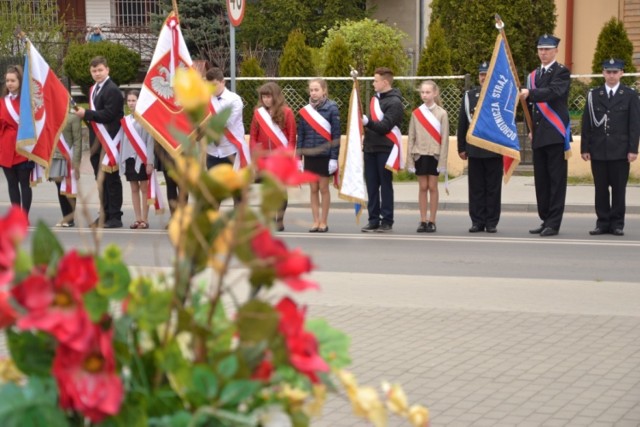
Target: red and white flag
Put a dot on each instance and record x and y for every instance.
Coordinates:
(44, 103)
(157, 109)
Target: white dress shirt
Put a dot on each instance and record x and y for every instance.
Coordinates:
(225, 148)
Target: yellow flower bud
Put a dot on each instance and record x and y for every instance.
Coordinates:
(225, 175)
(295, 396)
(314, 408)
(191, 90)
(189, 168)
(180, 222)
(9, 372)
(366, 403)
(418, 416)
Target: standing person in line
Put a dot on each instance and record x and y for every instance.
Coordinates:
(377, 146)
(59, 169)
(106, 109)
(135, 170)
(232, 146)
(485, 168)
(165, 163)
(319, 143)
(273, 127)
(610, 134)
(17, 168)
(547, 94)
(427, 151)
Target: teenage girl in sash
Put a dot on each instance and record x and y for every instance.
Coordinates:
(319, 143)
(273, 127)
(427, 151)
(17, 168)
(137, 159)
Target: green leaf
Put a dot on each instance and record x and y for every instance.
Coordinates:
(228, 366)
(114, 279)
(96, 305)
(45, 246)
(235, 392)
(32, 405)
(31, 352)
(273, 195)
(334, 344)
(23, 263)
(132, 413)
(257, 321)
(205, 383)
(178, 419)
(147, 306)
(206, 414)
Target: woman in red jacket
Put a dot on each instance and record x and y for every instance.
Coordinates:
(273, 127)
(16, 167)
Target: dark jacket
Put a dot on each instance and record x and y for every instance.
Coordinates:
(617, 136)
(469, 102)
(552, 88)
(310, 143)
(108, 110)
(375, 140)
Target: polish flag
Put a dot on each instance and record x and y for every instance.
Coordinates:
(157, 109)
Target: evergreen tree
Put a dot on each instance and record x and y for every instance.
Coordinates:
(613, 42)
(435, 59)
(296, 57)
(339, 58)
(470, 30)
(381, 57)
(250, 67)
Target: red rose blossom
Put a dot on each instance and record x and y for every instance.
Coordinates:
(283, 165)
(87, 379)
(13, 229)
(7, 313)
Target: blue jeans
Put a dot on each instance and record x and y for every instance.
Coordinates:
(379, 188)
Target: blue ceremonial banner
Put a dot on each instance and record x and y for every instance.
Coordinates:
(494, 122)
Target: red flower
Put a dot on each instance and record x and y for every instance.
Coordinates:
(87, 380)
(288, 265)
(263, 371)
(13, 229)
(302, 345)
(283, 165)
(7, 313)
(56, 306)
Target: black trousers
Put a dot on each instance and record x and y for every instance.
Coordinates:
(610, 207)
(379, 188)
(66, 206)
(20, 193)
(550, 176)
(111, 190)
(485, 190)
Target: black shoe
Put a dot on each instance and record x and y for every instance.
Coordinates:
(597, 231)
(617, 232)
(537, 230)
(548, 231)
(422, 228)
(68, 224)
(431, 227)
(475, 228)
(384, 228)
(113, 223)
(491, 229)
(369, 228)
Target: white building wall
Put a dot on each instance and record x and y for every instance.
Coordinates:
(98, 12)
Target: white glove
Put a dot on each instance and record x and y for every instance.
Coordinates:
(365, 120)
(333, 166)
(300, 165)
(411, 170)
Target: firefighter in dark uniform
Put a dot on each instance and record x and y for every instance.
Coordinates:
(547, 94)
(484, 168)
(610, 134)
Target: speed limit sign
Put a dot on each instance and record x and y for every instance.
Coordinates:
(236, 11)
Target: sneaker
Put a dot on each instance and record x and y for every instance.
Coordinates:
(431, 227)
(422, 228)
(68, 224)
(384, 228)
(113, 223)
(369, 228)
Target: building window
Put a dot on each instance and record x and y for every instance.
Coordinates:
(135, 13)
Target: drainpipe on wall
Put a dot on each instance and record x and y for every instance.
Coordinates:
(568, 57)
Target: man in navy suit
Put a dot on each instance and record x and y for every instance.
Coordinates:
(610, 134)
(547, 94)
(107, 109)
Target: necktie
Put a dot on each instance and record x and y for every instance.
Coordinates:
(610, 93)
(95, 92)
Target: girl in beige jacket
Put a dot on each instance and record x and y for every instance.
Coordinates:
(427, 151)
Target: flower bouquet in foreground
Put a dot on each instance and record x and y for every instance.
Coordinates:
(91, 343)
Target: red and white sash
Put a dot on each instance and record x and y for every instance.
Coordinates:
(429, 121)
(110, 145)
(395, 162)
(37, 173)
(243, 158)
(69, 185)
(316, 121)
(270, 128)
(140, 147)
(12, 111)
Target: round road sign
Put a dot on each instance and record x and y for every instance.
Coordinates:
(235, 8)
